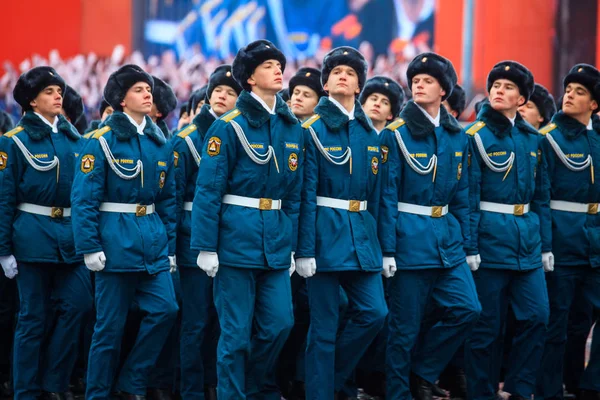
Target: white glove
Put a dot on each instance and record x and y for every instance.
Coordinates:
(9, 265)
(172, 264)
(292, 264)
(548, 261)
(389, 267)
(208, 261)
(95, 261)
(473, 262)
(306, 267)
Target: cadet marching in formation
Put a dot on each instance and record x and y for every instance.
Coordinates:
(306, 246)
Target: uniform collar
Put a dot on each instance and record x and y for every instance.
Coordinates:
(500, 125)
(335, 118)
(419, 125)
(435, 121)
(256, 114)
(53, 125)
(589, 126)
(262, 103)
(214, 114)
(138, 127)
(349, 114)
(512, 120)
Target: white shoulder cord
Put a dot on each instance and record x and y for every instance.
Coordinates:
(412, 162)
(39, 165)
(112, 161)
(193, 150)
(494, 166)
(336, 160)
(255, 156)
(575, 166)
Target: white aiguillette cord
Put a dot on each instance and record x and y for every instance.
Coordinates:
(260, 159)
(335, 160)
(114, 165)
(38, 165)
(505, 166)
(414, 163)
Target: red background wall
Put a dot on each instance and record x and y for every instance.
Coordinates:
(70, 26)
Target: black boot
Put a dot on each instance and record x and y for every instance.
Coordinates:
(420, 388)
(588, 395)
(210, 393)
(159, 394)
(298, 391)
(129, 396)
(52, 396)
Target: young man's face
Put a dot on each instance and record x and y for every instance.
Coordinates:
(530, 113)
(378, 107)
(304, 100)
(342, 81)
(426, 89)
(222, 99)
(138, 99)
(268, 76)
(107, 112)
(505, 95)
(49, 101)
(578, 100)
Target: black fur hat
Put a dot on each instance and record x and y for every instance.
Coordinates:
(120, 81)
(195, 98)
(514, 72)
(249, 57)
(222, 75)
(284, 94)
(310, 77)
(387, 87)
(72, 104)
(458, 100)
(103, 106)
(587, 76)
(32, 82)
(6, 122)
(434, 65)
(348, 56)
(164, 97)
(544, 102)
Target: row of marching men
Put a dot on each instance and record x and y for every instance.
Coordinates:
(461, 225)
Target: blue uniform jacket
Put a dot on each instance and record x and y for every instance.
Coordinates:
(504, 241)
(574, 238)
(248, 237)
(130, 243)
(419, 241)
(186, 174)
(30, 237)
(340, 240)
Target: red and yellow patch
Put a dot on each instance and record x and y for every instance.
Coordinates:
(87, 163)
(3, 160)
(293, 162)
(375, 165)
(214, 146)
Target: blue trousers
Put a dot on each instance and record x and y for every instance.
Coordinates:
(255, 314)
(411, 291)
(525, 290)
(115, 292)
(55, 300)
(563, 285)
(329, 362)
(581, 319)
(196, 327)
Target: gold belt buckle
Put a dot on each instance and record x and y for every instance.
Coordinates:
(140, 211)
(519, 209)
(265, 204)
(436, 211)
(57, 212)
(354, 206)
(592, 208)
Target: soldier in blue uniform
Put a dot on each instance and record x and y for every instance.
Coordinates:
(105, 111)
(505, 252)
(423, 226)
(198, 316)
(37, 164)
(569, 201)
(244, 222)
(164, 101)
(382, 100)
(341, 194)
(74, 109)
(124, 220)
(540, 109)
(6, 122)
(305, 92)
(455, 103)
